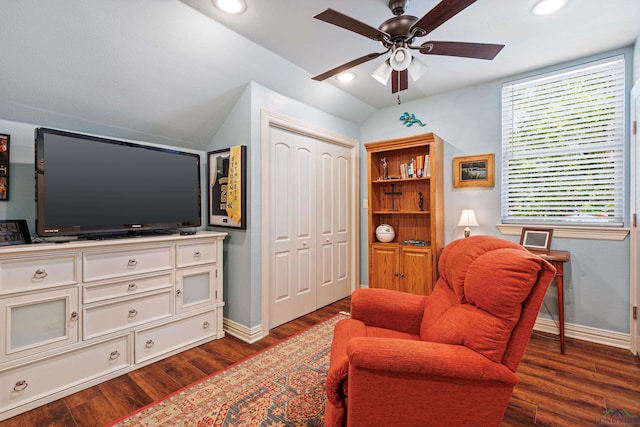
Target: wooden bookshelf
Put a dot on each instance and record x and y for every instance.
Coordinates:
(410, 199)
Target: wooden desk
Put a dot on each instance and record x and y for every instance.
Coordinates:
(557, 259)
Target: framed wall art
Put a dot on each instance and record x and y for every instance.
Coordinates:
(473, 171)
(227, 178)
(536, 238)
(4, 167)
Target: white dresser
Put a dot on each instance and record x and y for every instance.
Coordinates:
(75, 314)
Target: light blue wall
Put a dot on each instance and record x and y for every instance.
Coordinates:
(469, 122)
(636, 60)
(243, 270)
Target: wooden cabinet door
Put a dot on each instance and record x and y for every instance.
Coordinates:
(384, 268)
(416, 270)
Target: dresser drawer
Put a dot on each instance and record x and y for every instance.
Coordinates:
(104, 318)
(113, 264)
(195, 254)
(29, 382)
(21, 274)
(155, 341)
(134, 286)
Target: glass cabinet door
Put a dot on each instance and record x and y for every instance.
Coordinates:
(195, 288)
(39, 322)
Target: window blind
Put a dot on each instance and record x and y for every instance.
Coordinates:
(563, 146)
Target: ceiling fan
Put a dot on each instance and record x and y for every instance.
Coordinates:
(397, 35)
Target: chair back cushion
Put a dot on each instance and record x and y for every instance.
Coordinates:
(478, 298)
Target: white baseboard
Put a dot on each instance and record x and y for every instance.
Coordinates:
(585, 333)
(244, 333)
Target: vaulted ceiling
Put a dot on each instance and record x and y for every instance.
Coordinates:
(169, 71)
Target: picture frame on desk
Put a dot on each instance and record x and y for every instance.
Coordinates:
(536, 239)
(14, 232)
(474, 171)
(227, 184)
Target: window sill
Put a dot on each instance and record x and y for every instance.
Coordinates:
(591, 233)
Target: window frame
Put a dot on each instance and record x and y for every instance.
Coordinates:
(618, 152)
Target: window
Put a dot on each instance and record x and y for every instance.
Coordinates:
(563, 146)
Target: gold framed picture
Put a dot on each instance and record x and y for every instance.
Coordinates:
(473, 171)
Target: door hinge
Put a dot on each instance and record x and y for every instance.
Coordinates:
(635, 312)
(635, 220)
(635, 127)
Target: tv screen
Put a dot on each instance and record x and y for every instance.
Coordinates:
(92, 185)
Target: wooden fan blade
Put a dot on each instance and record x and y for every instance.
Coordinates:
(440, 14)
(350, 64)
(399, 80)
(341, 20)
(468, 50)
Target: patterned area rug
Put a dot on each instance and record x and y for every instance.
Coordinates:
(283, 385)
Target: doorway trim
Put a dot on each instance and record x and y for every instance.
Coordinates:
(634, 252)
(270, 119)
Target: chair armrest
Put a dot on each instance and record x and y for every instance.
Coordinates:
(384, 308)
(425, 359)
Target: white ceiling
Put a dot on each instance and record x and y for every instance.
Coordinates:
(164, 71)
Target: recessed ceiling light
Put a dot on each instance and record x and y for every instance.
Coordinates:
(545, 7)
(346, 77)
(231, 6)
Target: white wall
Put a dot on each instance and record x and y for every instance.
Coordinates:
(469, 121)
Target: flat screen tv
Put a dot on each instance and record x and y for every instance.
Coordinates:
(88, 185)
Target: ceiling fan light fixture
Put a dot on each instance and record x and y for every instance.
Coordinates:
(382, 73)
(233, 7)
(417, 69)
(400, 59)
(545, 7)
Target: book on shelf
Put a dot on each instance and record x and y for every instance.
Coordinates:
(413, 242)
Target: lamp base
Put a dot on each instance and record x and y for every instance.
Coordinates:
(467, 232)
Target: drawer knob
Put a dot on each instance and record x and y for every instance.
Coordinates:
(132, 263)
(206, 325)
(196, 254)
(133, 313)
(20, 385)
(40, 273)
(149, 344)
(114, 355)
(132, 287)
(74, 316)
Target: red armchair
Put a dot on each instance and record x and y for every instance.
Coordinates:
(445, 359)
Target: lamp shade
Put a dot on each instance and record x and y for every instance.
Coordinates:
(468, 218)
(382, 73)
(400, 59)
(416, 69)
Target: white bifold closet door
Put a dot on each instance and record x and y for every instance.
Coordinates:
(309, 233)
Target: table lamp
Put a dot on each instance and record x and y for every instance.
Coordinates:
(467, 219)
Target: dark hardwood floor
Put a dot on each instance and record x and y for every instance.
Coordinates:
(574, 389)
